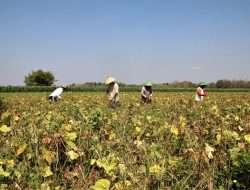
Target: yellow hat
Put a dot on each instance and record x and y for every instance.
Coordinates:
(109, 80)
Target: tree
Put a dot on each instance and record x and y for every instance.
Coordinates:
(39, 78)
(219, 84)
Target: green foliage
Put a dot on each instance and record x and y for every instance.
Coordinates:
(241, 170)
(3, 105)
(39, 78)
(95, 119)
(81, 143)
(109, 164)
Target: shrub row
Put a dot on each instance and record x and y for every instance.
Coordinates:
(103, 88)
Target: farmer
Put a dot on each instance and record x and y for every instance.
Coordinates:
(200, 92)
(146, 93)
(112, 91)
(56, 94)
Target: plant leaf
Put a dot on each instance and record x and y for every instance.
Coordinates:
(71, 136)
(4, 173)
(209, 151)
(247, 138)
(72, 155)
(49, 156)
(174, 130)
(5, 129)
(21, 149)
(71, 145)
(46, 172)
(102, 184)
(155, 169)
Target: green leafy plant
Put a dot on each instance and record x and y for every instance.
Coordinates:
(3, 105)
(80, 143)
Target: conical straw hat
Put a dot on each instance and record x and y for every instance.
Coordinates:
(109, 80)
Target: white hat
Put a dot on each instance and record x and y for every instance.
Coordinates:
(109, 80)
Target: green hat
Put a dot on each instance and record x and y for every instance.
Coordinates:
(203, 84)
(148, 83)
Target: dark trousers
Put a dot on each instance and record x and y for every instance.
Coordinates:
(146, 100)
(53, 98)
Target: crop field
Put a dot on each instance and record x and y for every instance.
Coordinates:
(79, 142)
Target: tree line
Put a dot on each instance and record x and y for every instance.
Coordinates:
(47, 78)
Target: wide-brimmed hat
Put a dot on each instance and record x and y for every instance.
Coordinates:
(148, 83)
(109, 80)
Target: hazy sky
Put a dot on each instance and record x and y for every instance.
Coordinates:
(133, 40)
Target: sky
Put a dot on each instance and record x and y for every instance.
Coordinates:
(132, 40)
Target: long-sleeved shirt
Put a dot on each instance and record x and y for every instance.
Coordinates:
(200, 93)
(113, 93)
(57, 93)
(145, 93)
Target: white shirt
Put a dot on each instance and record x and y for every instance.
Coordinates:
(113, 92)
(197, 96)
(145, 93)
(57, 92)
